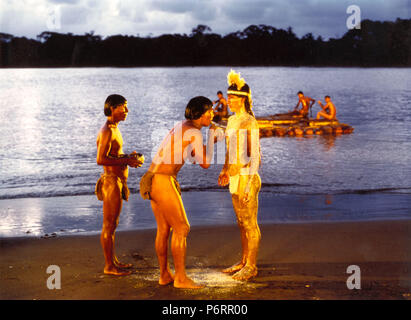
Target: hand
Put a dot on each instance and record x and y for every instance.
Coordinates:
(137, 159)
(219, 134)
(245, 199)
(134, 163)
(223, 179)
(319, 102)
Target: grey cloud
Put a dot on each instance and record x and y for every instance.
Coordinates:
(243, 11)
(205, 12)
(198, 9)
(320, 17)
(172, 6)
(71, 15)
(64, 1)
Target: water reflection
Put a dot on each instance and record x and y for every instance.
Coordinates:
(328, 199)
(328, 141)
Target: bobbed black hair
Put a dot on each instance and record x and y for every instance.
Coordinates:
(196, 107)
(300, 92)
(219, 92)
(327, 97)
(113, 100)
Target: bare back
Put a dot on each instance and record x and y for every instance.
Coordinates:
(179, 145)
(305, 101)
(331, 109)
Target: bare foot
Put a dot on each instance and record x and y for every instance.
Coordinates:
(166, 278)
(236, 267)
(123, 265)
(119, 264)
(187, 283)
(116, 271)
(245, 273)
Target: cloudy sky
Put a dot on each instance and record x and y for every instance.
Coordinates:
(144, 17)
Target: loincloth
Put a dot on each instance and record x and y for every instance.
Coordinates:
(238, 182)
(147, 181)
(125, 192)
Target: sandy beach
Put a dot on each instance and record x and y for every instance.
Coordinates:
(296, 261)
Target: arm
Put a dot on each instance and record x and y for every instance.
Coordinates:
(223, 178)
(253, 149)
(203, 154)
(333, 110)
(298, 103)
(312, 101)
(320, 103)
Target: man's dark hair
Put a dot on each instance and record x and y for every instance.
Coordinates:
(219, 92)
(113, 100)
(196, 107)
(300, 92)
(327, 97)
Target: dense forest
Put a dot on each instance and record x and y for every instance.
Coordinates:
(376, 44)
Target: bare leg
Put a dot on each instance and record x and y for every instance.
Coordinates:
(247, 221)
(163, 233)
(244, 242)
(111, 210)
(324, 115)
(169, 207)
(117, 263)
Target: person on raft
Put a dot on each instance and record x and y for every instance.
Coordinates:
(112, 188)
(329, 111)
(159, 185)
(220, 110)
(306, 104)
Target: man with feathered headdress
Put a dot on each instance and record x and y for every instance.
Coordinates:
(240, 171)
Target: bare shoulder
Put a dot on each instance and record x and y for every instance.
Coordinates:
(230, 119)
(254, 122)
(249, 122)
(106, 133)
(187, 131)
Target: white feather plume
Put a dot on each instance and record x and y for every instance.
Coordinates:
(235, 78)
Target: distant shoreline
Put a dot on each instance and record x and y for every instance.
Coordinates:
(377, 43)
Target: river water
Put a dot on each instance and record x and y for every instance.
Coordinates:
(50, 119)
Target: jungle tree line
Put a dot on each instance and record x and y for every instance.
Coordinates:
(376, 44)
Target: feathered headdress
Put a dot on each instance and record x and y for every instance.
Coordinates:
(237, 86)
(234, 78)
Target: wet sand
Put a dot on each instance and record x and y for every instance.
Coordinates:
(296, 261)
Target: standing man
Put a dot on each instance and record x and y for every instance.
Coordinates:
(112, 188)
(240, 171)
(159, 184)
(306, 104)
